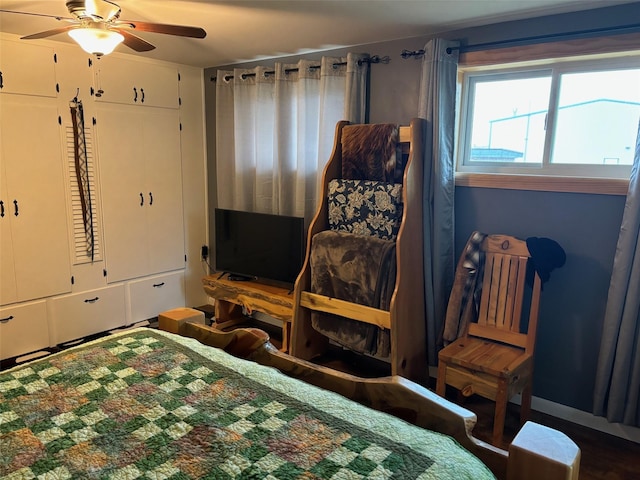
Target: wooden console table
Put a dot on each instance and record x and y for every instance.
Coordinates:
(231, 295)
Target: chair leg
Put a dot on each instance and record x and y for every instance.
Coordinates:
(525, 405)
(500, 414)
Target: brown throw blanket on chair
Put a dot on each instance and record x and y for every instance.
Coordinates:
(358, 269)
(369, 152)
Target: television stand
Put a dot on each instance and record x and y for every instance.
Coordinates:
(231, 296)
(239, 278)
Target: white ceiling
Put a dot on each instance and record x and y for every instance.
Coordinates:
(244, 30)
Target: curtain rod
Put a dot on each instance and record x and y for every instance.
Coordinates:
(369, 60)
(635, 27)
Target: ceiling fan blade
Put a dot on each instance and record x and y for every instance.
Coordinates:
(134, 42)
(178, 30)
(49, 33)
(57, 17)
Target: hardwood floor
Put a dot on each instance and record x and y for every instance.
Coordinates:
(603, 456)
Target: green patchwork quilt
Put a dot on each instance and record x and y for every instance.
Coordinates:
(151, 405)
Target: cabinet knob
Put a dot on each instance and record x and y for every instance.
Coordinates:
(15, 206)
(6, 319)
(1, 208)
(1, 81)
(135, 94)
(142, 93)
(158, 285)
(150, 198)
(141, 199)
(92, 300)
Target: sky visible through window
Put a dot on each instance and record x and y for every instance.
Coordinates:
(596, 123)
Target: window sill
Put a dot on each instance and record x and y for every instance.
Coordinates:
(542, 183)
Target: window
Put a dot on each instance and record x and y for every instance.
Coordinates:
(576, 119)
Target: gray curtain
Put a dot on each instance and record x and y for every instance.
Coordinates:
(437, 106)
(618, 373)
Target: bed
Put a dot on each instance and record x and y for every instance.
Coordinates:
(145, 403)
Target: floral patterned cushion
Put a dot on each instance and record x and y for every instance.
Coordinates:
(365, 207)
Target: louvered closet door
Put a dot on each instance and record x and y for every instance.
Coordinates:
(32, 167)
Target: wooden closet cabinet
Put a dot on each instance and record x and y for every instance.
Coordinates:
(34, 242)
(77, 315)
(27, 69)
(135, 83)
(23, 329)
(150, 296)
(141, 178)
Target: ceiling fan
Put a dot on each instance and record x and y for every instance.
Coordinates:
(97, 28)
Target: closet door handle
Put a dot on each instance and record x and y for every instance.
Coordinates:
(135, 94)
(150, 198)
(1, 208)
(15, 206)
(92, 300)
(158, 285)
(6, 319)
(141, 199)
(142, 93)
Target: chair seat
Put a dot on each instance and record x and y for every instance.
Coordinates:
(480, 355)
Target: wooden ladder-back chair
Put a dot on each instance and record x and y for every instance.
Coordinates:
(494, 359)
(404, 320)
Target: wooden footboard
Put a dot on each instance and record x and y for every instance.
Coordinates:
(537, 451)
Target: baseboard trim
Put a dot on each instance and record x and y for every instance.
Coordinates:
(574, 415)
(585, 419)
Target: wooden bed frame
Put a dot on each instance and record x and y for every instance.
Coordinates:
(537, 452)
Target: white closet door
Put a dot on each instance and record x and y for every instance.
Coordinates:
(136, 83)
(32, 162)
(8, 290)
(141, 190)
(124, 197)
(27, 69)
(164, 181)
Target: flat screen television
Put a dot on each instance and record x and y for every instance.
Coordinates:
(258, 245)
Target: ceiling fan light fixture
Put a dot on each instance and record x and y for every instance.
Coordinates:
(96, 41)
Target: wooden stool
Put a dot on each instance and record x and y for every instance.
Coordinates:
(171, 320)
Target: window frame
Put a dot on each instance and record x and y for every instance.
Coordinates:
(469, 77)
(607, 46)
